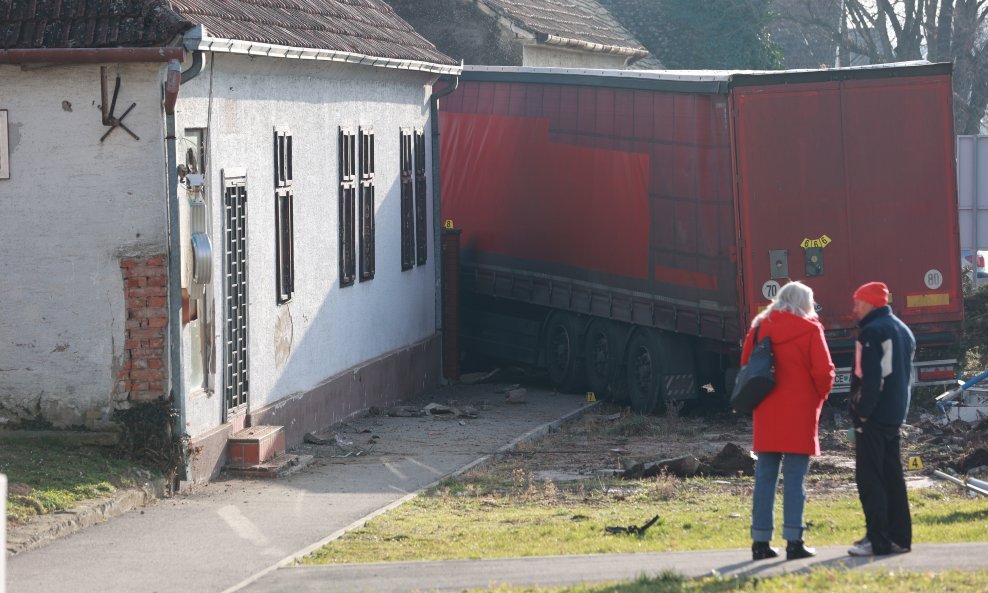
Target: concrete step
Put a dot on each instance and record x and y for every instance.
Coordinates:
(282, 465)
(255, 445)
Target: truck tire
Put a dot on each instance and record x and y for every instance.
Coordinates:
(563, 358)
(602, 358)
(644, 372)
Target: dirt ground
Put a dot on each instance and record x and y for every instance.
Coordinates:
(612, 439)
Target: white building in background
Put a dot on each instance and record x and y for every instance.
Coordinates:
(298, 165)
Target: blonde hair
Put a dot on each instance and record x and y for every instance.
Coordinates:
(795, 297)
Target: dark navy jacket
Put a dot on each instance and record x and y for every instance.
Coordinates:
(882, 376)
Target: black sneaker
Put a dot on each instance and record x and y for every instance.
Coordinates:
(762, 551)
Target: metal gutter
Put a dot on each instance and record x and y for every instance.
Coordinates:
(76, 55)
(197, 39)
(549, 39)
(195, 68)
(176, 370)
(436, 197)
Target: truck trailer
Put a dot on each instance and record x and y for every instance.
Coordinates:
(623, 228)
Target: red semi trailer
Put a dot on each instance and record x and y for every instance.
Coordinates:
(622, 228)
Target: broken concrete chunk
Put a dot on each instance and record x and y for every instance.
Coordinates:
(472, 378)
(316, 439)
(438, 410)
(516, 396)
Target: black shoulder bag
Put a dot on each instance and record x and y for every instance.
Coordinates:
(756, 379)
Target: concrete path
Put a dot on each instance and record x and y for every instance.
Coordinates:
(457, 575)
(215, 539)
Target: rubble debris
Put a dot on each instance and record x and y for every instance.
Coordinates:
(440, 410)
(437, 410)
(971, 460)
(682, 467)
(732, 461)
(473, 378)
(632, 529)
(403, 412)
(516, 396)
(508, 388)
(315, 439)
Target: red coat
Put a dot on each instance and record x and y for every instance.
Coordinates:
(787, 420)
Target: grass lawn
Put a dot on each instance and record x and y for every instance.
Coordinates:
(822, 581)
(45, 476)
(474, 517)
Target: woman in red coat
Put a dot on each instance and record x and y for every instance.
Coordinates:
(787, 420)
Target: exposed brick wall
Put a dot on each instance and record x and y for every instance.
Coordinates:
(141, 375)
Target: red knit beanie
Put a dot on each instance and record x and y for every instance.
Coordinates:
(875, 294)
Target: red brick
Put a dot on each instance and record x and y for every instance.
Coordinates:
(127, 262)
(132, 324)
(139, 364)
(156, 260)
(153, 312)
(131, 344)
(139, 386)
(136, 302)
(147, 374)
(156, 343)
(154, 363)
(144, 334)
(157, 302)
(157, 322)
(156, 386)
(158, 281)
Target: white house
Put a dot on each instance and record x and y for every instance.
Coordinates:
(290, 150)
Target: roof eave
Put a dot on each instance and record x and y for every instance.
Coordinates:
(197, 39)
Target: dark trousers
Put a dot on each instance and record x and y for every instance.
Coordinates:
(882, 487)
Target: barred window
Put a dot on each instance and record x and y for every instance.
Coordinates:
(348, 180)
(407, 213)
(366, 142)
(283, 216)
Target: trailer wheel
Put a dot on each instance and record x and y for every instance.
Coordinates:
(644, 372)
(602, 356)
(562, 353)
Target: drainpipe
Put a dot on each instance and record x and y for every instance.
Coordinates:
(194, 69)
(104, 55)
(437, 222)
(177, 373)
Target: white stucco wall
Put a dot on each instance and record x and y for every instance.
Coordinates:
(241, 99)
(72, 207)
(559, 57)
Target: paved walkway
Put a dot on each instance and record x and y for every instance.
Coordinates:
(241, 535)
(457, 575)
(215, 539)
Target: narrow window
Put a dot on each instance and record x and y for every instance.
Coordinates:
(348, 179)
(421, 227)
(407, 214)
(283, 215)
(366, 143)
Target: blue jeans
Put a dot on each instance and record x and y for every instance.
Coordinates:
(794, 468)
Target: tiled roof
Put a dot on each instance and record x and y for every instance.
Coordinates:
(581, 23)
(365, 27)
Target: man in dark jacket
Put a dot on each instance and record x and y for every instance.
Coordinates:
(880, 390)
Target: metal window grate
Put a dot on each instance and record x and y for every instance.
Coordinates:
(348, 175)
(235, 285)
(367, 256)
(407, 210)
(282, 157)
(421, 230)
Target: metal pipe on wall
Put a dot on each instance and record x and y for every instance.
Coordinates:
(436, 194)
(176, 371)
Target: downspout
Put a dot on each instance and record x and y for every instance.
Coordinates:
(176, 371)
(436, 211)
(195, 69)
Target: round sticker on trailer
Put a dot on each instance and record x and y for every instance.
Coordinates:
(933, 279)
(770, 289)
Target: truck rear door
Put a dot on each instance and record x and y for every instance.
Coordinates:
(847, 181)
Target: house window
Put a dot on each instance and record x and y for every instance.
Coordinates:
(365, 141)
(4, 147)
(348, 179)
(421, 228)
(407, 212)
(283, 215)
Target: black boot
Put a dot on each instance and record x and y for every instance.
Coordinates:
(796, 550)
(761, 551)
